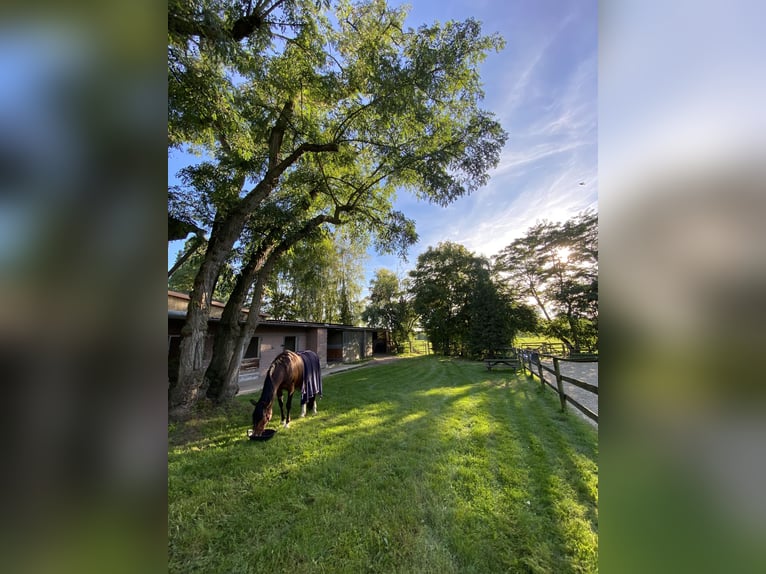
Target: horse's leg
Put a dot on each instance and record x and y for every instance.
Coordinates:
(289, 404)
(281, 407)
(313, 404)
(303, 410)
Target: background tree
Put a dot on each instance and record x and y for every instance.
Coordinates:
(390, 308)
(319, 281)
(556, 266)
(442, 284)
(312, 127)
(463, 307)
(494, 317)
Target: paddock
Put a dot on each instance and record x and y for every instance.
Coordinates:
(421, 465)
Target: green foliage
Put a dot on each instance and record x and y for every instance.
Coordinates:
(398, 105)
(494, 317)
(461, 306)
(442, 282)
(556, 265)
(319, 281)
(422, 465)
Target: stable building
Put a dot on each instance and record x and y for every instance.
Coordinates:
(332, 343)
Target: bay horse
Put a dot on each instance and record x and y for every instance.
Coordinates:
(289, 372)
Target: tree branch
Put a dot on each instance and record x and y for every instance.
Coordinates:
(278, 132)
(186, 25)
(195, 244)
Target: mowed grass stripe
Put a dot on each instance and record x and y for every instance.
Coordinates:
(423, 465)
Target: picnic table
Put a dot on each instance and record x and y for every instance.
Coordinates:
(509, 358)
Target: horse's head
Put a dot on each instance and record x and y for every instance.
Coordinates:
(261, 417)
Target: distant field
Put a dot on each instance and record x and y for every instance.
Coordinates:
(417, 348)
(535, 339)
(422, 465)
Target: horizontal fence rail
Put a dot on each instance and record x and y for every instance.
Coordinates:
(531, 360)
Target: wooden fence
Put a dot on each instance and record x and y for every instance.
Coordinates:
(552, 348)
(531, 360)
(545, 347)
(419, 346)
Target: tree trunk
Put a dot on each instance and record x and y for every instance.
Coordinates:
(231, 386)
(223, 373)
(184, 391)
(221, 384)
(536, 296)
(575, 330)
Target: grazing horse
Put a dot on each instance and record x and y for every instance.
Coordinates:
(288, 372)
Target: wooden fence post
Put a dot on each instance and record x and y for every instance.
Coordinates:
(540, 372)
(523, 362)
(559, 384)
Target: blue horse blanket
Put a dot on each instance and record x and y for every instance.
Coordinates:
(312, 376)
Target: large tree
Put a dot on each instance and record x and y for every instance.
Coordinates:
(556, 266)
(462, 307)
(317, 125)
(442, 284)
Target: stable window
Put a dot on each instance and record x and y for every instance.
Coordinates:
(290, 343)
(253, 350)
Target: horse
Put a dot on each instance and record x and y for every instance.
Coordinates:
(289, 372)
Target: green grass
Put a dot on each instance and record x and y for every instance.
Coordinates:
(422, 465)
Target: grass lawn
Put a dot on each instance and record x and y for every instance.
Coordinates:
(422, 465)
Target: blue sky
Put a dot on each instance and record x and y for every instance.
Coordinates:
(543, 89)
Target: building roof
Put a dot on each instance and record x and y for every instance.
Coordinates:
(176, 313)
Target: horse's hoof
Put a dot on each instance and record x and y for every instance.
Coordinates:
(286, 425)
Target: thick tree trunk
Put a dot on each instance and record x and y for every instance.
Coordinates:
(184, 391)
(221, 384)
(223, 374)
(231, 386)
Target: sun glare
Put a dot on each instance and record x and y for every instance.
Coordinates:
(562, 253)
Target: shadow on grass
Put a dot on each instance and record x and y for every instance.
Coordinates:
(421, 465)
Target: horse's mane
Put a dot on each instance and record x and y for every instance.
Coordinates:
(267, 394)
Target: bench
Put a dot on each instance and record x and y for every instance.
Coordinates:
(510, 361)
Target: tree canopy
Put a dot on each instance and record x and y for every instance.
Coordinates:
(308, 119)
(319, 281)
(556, 266)
(461, 306)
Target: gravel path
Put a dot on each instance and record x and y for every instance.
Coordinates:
(586, 372)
